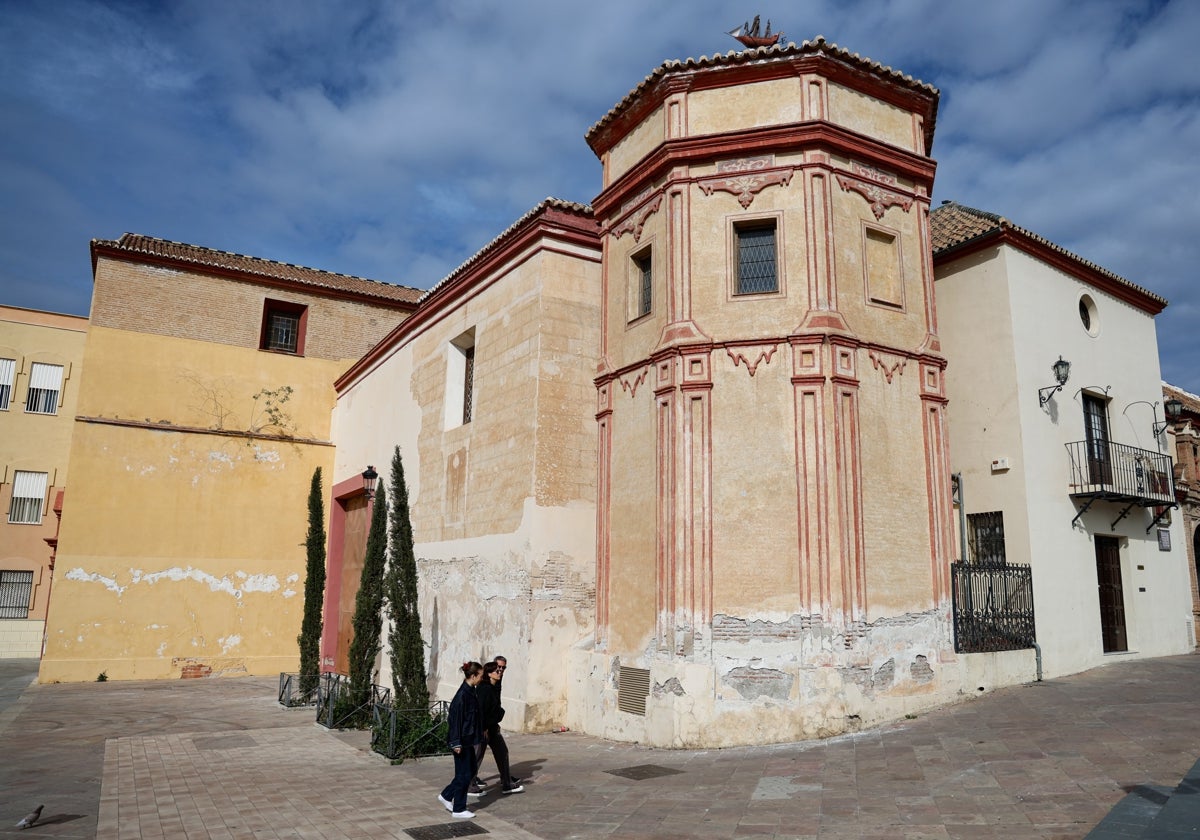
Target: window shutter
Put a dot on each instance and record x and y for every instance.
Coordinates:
(29, 485)
(47, 377)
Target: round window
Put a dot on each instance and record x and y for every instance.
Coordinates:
(1088, 316)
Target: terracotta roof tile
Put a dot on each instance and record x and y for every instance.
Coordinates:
(952, 224)
(148, 246)
(758, 55)
(544, 204)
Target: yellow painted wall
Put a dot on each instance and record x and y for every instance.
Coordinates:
(35, 443)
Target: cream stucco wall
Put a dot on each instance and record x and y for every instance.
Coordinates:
(1007, 316)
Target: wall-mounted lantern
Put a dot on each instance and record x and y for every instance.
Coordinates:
(1173, 408)
(1062, 372)
(369, 477)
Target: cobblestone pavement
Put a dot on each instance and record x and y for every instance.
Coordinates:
(1092, 754)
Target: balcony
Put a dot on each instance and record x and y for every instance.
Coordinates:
(1113, 472)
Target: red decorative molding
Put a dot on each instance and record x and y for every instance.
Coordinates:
(746, 177)
(872, 185)
(634, 222)
(631, 385)
(889, 365)
(763, 356)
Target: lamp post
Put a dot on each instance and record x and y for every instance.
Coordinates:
(369, 477)
(1173, 409)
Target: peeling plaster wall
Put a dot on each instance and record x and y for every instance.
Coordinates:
(181, 548)
(502, 507)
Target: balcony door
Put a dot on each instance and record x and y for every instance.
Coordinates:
(1095, 422)
(1112, 594)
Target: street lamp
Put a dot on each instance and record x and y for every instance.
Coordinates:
(1062, 371)
(369, 477)
(1172, 408)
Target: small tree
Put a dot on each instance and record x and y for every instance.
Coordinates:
(368, 607)
(409, 688)
(314, 590)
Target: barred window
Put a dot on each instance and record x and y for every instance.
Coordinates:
(45, 383)
(756, 258)
(469, 384)
(643, 267)
(8, 368)
(16, 592)
(28, 497)
(985, 535)
(283, 327)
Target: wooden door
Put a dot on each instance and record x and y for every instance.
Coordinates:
(1095, 422)
(1112, 594)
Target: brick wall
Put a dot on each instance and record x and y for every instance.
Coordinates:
(186, 304)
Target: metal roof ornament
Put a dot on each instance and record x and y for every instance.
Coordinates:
(752, 36)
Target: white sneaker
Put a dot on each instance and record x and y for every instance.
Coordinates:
(444, 801)
(474, 796)
(463, 815)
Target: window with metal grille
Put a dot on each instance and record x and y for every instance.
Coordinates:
(985, 535)
(8, 369)
(756, 259)
(16, 592)
(45, 383)
(645, 277)
(469, 383)
(283, 326)
(28, 497)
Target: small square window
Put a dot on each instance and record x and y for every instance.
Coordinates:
(283, 327)
(45, 384)
(16, 593)
(756, 258)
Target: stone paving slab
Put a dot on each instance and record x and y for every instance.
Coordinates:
(220, 759)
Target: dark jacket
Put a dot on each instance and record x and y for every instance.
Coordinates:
(489, 705)
(466, 727)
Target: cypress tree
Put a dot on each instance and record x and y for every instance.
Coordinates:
(314, 591)
(409, 688)
(368, 606)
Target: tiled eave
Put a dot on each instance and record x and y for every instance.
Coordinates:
(991, 231)
(764, 64)
(551, 221)
(181, 256)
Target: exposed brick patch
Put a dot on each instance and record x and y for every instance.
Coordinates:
(752, 683)
(920, 670)
(727, 628)
(195, 671)
(671, 686)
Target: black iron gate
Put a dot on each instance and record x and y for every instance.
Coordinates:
(993, 607)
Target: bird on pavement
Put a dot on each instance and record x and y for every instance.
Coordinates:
(33, 816)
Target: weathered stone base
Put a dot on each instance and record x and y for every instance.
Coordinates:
(772, 682)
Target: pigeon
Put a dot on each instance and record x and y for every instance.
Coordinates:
(32, 817)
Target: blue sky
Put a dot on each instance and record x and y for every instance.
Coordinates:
(392, 139)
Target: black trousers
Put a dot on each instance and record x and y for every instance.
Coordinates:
(495, 740)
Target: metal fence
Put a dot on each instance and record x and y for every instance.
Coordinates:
(410, 733)
(293, 693)
(993, 607)
(338, 709)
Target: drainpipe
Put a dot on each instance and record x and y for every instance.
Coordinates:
(1037, 651)
(956, 480)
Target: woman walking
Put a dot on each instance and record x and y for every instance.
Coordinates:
(466, 728)
(493, 713)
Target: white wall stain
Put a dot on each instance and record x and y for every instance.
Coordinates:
(108, 583)
(289, 593)
(270, 455)
(246, 583)
(228, 643)
(161, 649)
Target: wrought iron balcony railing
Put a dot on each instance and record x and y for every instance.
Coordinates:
(1102, 471)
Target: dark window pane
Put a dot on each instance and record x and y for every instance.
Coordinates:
(283, 328)
(469, 385)
(756, 260)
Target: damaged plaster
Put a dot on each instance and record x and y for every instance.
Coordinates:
(247, 583)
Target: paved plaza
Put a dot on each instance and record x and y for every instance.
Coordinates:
(1107, 754)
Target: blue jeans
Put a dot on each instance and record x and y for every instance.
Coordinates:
(464, 771)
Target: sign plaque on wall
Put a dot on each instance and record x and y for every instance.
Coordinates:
(1164, 539)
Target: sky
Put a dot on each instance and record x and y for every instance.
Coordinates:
(392, 140)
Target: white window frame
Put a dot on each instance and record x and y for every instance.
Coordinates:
(460, 380)
(8, 376)
(45, 388)
(28, 497)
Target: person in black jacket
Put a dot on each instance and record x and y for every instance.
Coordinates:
(466, 729)
(492, 712)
